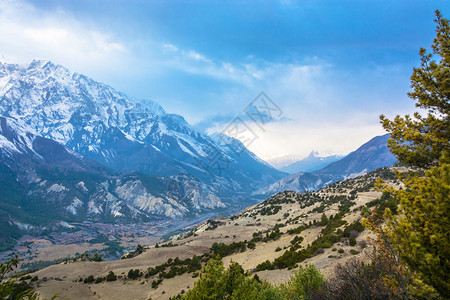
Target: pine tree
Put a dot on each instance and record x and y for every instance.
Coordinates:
(421, 141)
(10, 286)
(421, 232)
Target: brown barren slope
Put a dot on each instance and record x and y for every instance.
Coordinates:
(288, 209)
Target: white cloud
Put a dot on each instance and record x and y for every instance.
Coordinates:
(170, 47)
(29, 33)
(300, 137)
(197, 56)
(325, 109)
(293, 137)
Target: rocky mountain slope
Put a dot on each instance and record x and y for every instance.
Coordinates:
(370, 156)
(106, 126)
(43, 182)
(271, 240)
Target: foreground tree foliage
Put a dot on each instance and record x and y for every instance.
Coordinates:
(306, 283)
(216, 282)
(420, 235)
(357, 280)
(418, 238)
(10, 288)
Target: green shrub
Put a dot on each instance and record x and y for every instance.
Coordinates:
(156, 283)
(297, 239)
(354, 252)
(111, 276)
(357, 226)
(217, 283)
(134, 274)
(305, 283)
(266, 265)
(99, 280)
(365, 212)
(97, 257)
(251, 245)
(297, 230)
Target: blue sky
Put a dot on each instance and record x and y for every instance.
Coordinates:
(332, 66)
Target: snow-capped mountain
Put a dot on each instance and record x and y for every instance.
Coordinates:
(284, 161)
(292, 164)
(43, 181)
(27, 154)
(106, 126)
(370, 156)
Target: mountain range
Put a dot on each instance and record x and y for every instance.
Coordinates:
(74, 149)
(292, 164)
(106, 126)
(44, 183)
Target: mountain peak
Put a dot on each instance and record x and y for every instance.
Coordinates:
(109, 127)
(152, 106)
(314, 153)
(40, 63)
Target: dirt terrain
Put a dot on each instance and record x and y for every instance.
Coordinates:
(286, 211)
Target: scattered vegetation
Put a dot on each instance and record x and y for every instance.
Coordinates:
(169, 244)
(212, 224)
(139, 250)
(111, 276)
(216, 282)
(97, 257)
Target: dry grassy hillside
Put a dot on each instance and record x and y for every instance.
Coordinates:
(270, 239)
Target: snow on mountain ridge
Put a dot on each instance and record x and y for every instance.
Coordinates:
(30, 159)
(22, 137)
(110, 128)
(58, 93)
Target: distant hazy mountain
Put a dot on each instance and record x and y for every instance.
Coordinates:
(284, 161)
(43, 182)
(106, 126)
(372, 155)
(299, 182)
(310, 163)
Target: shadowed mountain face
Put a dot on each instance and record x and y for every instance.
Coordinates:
(43, 182)
(106, 126)
(372, 155)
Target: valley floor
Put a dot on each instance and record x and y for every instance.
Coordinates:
(112, 240)
(273, 225)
